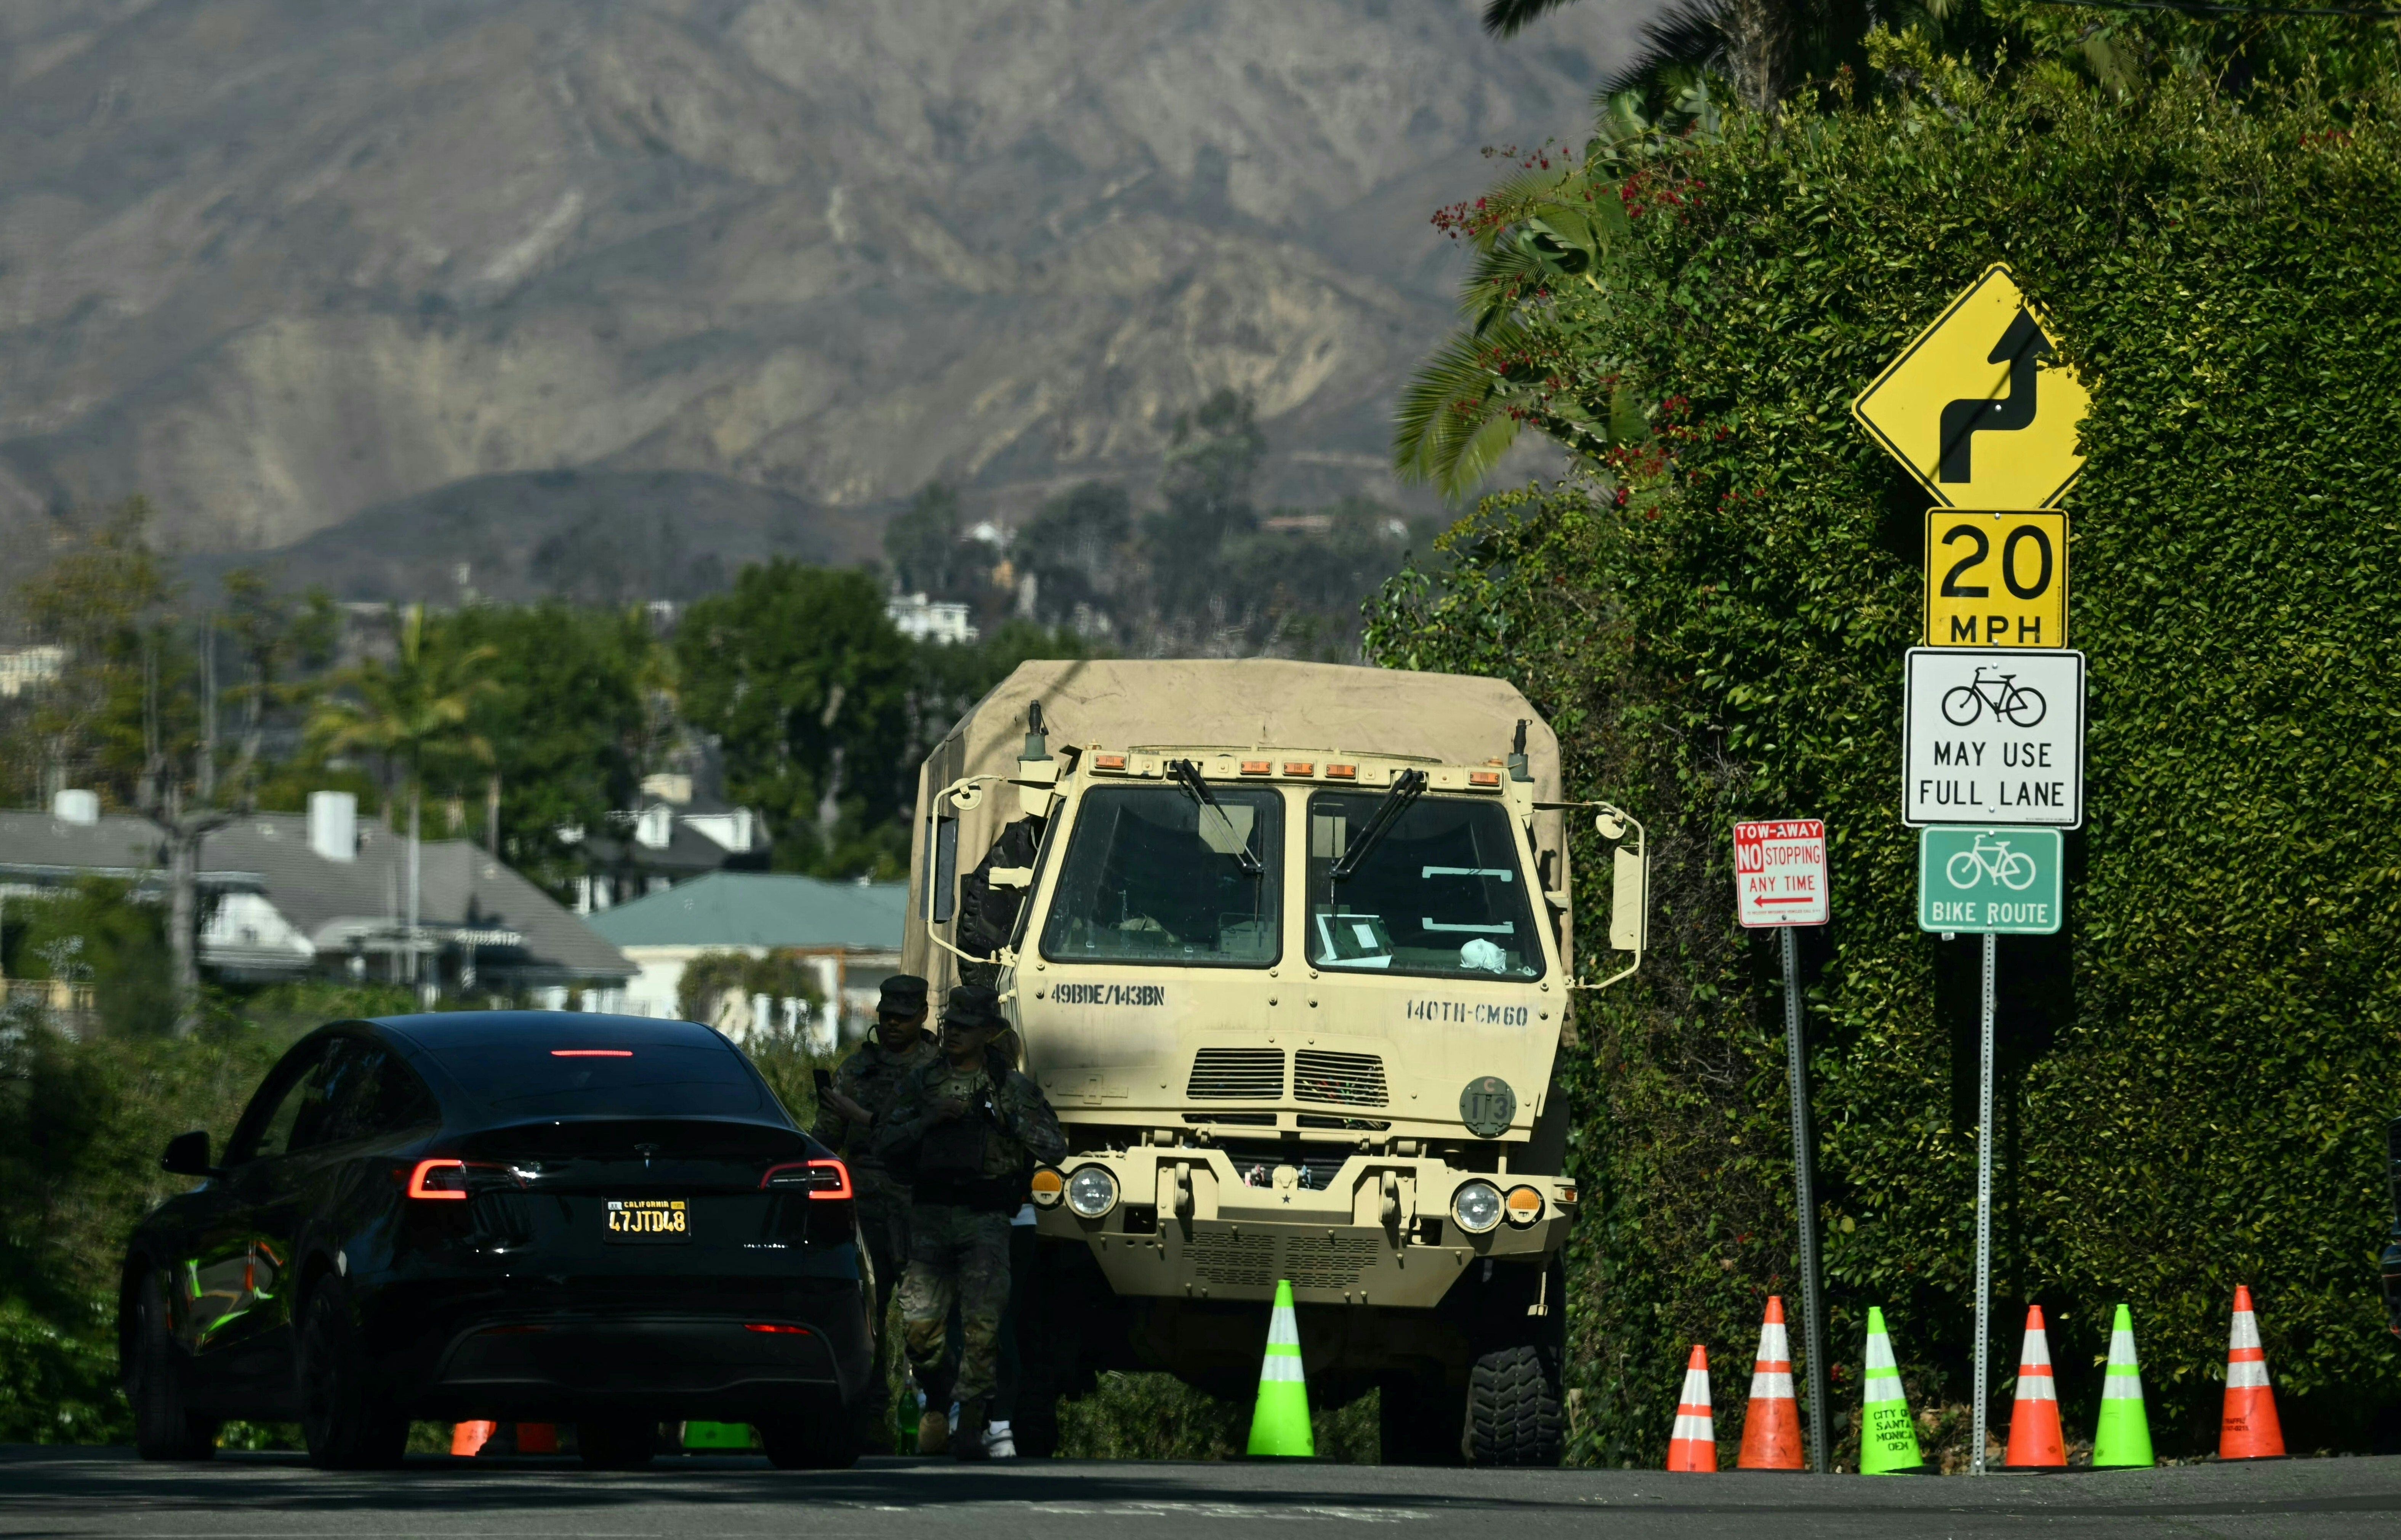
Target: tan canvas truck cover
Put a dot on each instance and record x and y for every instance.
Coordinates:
(1229, 704)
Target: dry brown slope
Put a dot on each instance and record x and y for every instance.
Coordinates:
(277, 261)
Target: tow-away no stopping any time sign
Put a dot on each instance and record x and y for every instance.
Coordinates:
(1993, 735)
(1779, 872)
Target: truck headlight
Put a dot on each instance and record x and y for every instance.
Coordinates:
(1046, 1186)
(1092, 1192)
(1475, 1207)
(1524, 1206)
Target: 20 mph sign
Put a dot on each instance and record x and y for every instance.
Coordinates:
(1779, 872)
(1993, 736)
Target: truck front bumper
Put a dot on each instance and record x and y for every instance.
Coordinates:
(1186, 1224)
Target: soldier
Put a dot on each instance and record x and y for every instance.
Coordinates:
(849, 1111)
(970, 1130)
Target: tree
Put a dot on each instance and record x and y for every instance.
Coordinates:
(573, 718)
(139, 700)
(922, 543)
(411, 713)
(806, 683)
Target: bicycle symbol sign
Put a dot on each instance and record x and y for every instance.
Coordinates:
(2002, 880)
(1993, 736)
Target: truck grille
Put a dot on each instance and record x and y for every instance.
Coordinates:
(1326, 1264)
(1347, 1080)
(1232, 1259)
(1238, 1074)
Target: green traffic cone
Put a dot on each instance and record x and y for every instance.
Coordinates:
(1887, 1439)
(2123, 1436)
(1280, 1426)
(717, 1436)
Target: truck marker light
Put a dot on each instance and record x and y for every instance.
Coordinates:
(1341, 772)
(1566, 1195)
(822, 1178)
(1258, 768)
(591, 1053)
(1108, 762)
(1049, 1187)
(1485, 778)
(1298, 767)
(1524, 1206)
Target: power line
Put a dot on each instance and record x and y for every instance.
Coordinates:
(2202, 7)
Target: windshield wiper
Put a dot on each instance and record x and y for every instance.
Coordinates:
(1187, 775)
(1408, 786)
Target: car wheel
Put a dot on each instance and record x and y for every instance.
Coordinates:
(345, 1420)
(810, 1442)
(164, 1427)
(616, 1445)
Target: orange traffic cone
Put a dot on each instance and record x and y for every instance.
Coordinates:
(1771, 1429)
(2249, 1430)
(470, 1437)
(2036, 1442)
(1694, 1445)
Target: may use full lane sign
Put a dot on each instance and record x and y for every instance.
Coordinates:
(1779, 872)
(1993, 735)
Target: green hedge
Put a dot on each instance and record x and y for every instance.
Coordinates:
(2197, 1071)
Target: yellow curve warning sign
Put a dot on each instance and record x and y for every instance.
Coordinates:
(1978, 407)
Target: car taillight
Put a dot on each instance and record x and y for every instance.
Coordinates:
(820, 1178)
(439, 1179)
(778, 1329)
(445, 1178)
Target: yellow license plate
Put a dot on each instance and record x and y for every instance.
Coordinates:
(651, 1220)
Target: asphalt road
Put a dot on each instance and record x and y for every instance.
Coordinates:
(107, 1492)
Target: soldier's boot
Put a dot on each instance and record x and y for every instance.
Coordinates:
(933, 1428)
(967, 1438)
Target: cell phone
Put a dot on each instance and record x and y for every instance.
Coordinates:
(823, 1079)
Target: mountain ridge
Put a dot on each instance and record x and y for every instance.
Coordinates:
(279, 263)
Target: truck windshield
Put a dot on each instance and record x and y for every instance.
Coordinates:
(1152, 875)
(1441, 893)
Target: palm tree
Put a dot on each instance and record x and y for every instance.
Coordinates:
(411, 713)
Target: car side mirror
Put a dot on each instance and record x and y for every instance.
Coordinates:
(188, 1155)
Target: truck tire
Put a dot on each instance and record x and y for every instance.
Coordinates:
(1515, 1414)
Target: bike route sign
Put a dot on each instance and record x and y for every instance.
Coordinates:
(1779, 872)
(2006, 881)
(1993, 735)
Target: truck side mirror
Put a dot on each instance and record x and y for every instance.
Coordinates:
(188, 1155)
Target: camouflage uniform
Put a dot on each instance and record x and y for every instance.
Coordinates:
(970, 1180)
(871, 1077)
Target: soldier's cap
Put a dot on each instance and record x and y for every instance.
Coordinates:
(904, 995)
(974, 1005)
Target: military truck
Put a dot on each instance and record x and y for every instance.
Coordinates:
(1289, 947)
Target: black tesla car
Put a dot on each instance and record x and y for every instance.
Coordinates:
(534, 1216)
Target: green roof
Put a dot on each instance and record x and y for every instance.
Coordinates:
(761, 908)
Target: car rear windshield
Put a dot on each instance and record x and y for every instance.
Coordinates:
(565, 1076)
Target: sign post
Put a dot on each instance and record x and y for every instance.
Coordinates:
(1780, 883)
(1997, 882)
